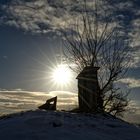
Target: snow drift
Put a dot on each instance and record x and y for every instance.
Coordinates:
(56, 125)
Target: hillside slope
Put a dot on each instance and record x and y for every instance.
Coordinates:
(50, 125)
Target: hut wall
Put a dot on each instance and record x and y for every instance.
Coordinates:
(88, 89)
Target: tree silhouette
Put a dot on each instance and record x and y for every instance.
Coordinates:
(95, 40)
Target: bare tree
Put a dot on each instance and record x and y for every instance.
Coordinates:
(95, 40)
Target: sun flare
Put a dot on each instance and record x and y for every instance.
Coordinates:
(61, 75)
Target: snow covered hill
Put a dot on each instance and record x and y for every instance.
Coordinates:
(56, 125)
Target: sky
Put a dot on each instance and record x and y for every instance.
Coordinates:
(31, 44)
(27, 61)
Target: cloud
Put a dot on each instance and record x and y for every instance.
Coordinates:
(53, 16)
(136, 59)
(20, 100)
(125, 5)
(39, 16)
(131, 82)
(66, 100)
(44, 16)
(134, 107)
(23, 15)
(132, 113)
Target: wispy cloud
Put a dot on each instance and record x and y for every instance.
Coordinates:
(20, 100)
(131, 82)
(134, 107)
(132, 113)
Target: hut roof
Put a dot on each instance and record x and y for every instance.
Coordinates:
(88, 72)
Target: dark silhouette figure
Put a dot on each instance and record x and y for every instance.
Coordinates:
(50, 104)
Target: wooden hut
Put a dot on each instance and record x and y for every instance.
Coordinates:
(88, 89)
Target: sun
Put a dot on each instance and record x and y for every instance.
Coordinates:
(61, 75)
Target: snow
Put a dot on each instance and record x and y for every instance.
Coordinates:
(60, 125)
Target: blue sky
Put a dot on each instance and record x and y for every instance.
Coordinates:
(26, 59)
(30, 44)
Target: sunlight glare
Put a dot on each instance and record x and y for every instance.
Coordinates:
(61, 75)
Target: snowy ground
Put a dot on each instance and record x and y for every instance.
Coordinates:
(49, 125)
